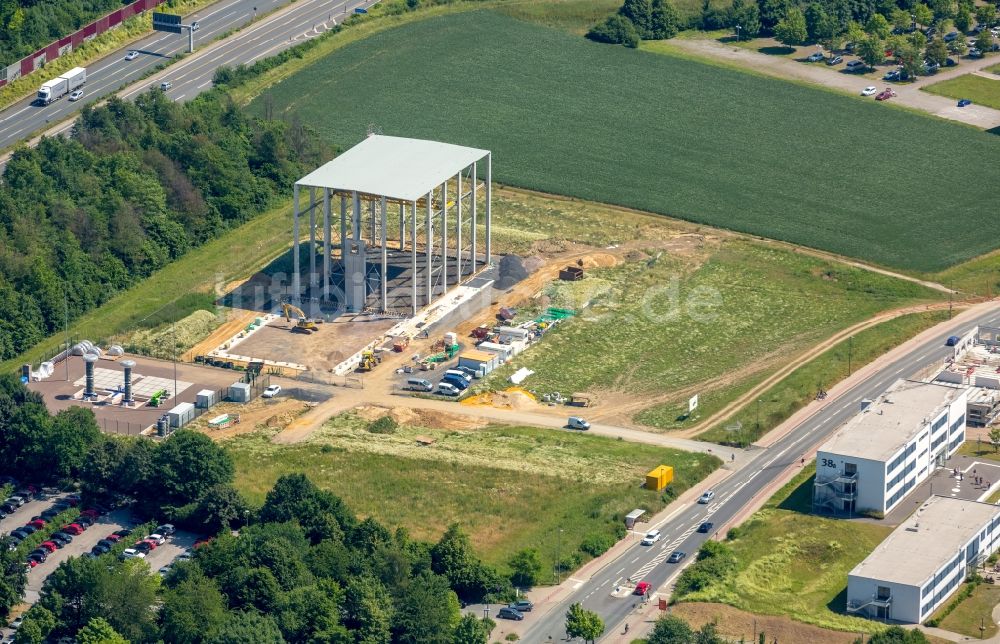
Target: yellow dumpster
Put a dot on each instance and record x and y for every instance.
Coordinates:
(659, 478)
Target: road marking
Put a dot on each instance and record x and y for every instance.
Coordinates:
(620, 571)
(577, 585)
(634, 560)
(204, 84)
(180, 97)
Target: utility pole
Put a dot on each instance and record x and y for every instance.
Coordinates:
(758, 415)
(66, 330)
(558, 563)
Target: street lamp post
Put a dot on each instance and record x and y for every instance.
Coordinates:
(558, 562)
(850, 355)
(758, 415)
(738, 29)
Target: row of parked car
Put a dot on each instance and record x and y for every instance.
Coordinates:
(142, 547)
(455, 381)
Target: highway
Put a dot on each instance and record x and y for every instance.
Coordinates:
(303, 19)
(648, 563)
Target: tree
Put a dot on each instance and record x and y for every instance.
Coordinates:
(746, 14)
(986, 15)
(791, 30)
(960, 45)
(249, 626)
(771, 13)
(188, 463)
(640, 14)
(983, 41)
(923, 15)
(665, 22)
(936, 52)
(584, 623)
(855, 32)
(221, 506)
(878, 26)
(368, 610)
(427, 612)
(13, 577)
(192, 609)
(708, 634)
(99, 631)
(995, 437)
(819, 24)
(671, 629)
(910, 59)
(871, 51)
(616, 30)
(963, 19)
(525, 567)
(900, 19)
(472, 630)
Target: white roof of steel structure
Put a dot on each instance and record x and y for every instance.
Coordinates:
(927, 540)
(398, 168)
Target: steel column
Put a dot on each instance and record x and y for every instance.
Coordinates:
(355, 216)
(296, 286)
(413, 257)
(312, 236)
(444, 237)
(326, 243)
(343, 227)
(489, 203)
(402, 225)
(385, 262)
(458, 233)
(475, 187)
(428, 234)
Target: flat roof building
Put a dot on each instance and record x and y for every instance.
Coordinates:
(891, 445)
(910, 574)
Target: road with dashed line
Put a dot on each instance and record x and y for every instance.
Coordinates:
(680, 529)
(302, 20)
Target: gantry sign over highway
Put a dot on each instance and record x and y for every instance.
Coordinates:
(167, 22)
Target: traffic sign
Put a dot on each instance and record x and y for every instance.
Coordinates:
(166, 22)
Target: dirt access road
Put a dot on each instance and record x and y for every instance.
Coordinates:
(909, 94)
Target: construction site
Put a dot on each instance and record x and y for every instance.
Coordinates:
(975, 363)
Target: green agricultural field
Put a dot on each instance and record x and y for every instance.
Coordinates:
(788, 562)
(663, 134)
(979, 90)
(658, 326)
(509, 487)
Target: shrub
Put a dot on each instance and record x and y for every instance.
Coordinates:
(716, 561)
(383, 425)
(616, 30)
(596, 544)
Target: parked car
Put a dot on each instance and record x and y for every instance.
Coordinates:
(575, 422)
(85, 520)
(132, 553)
(114, 537)
(37, 524)
(871, 90)
(707, 497)
(74, 529)
(893, 75)
(419, 384)
(49, 545)
(706, 527)
(17, 500)
(165, 570)
(131, 55)
(61, 537)
(930, 68)
(16, 624)
(964, 102)
(76, 95)
(167, 529)
(456, 381)
(509, 613)
(815, 57)
(101, 549)
(651, 537)
(143, 546)
(885, 94)
(50, 513)
(950, 62)
(522, 606)
(158, 539)
(975, 53)
(447, 389)
(271, 391)
(834, 60)
(641, 588)
(38, 555)
(8, 507)
(676, 556)
(124, 532)
(856, 66)
(950, 36)
(106, 542)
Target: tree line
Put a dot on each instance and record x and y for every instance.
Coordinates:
(300, 568)
(136, 186)
(28, 25)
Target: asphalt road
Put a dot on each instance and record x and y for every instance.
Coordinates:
(648, 563)
(304, 19)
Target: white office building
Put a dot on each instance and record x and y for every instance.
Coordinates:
(894, 443)
(923, 561)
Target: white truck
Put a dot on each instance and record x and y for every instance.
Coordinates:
(58, 87)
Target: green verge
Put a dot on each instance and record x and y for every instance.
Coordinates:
(799, 388)
(686, 139)
(980, 90)
(510, 487)
(971, 612)
(789, 562)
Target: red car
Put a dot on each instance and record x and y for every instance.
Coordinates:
(38, 524)
(73, 529)
(152, 544)
(641, 588)
(114, 537)
(885, 94)
(49, 545)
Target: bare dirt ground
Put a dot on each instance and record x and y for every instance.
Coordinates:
(260, 412)
(236, 321)
(908, 94)
(420, 417)
(735, 623)
(322, 350)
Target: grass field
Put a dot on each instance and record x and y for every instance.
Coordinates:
(799, 388)
(509, 487)
(796, 564)
(974, 611)
(980, 90)
(682, 321)
(660, 133)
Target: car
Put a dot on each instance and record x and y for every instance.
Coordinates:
(106, 542)
(457, 382)
(32, 563)
(19, 534)
(447, 389)
(74, 529)
(39, 556)
(975, 53)
(706, 527)
(964, 102)
(37, 524)
(16, 624)
(8, 507)
(676, 556)
(165, 85)
(132, 55)
(91, 512)
(950, 36)
(17, 500)
(49, 545)
(143, 546)
(167, 529)
(124, 532)
(871, 90)
(50, 513)
(30, 529)
(931, 68)
(195, 26)
(641, 588)
(707, 497)
(509, 613)
(63, 537)
(815, 57)
(100, 549)
(521, 606)
(834, 60)
(158, 539)
(114, 537)
(856, 66)
(651, 537)
(575, 422)
(131, 553)
(885, 94)
(271, 391)
(952, 340)
(85, 520)
(950, 62)
(76, 95)
(165, 570)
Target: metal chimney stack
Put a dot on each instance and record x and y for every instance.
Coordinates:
(89, 359)
(128, 365)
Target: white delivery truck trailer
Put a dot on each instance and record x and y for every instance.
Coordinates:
(56, 88)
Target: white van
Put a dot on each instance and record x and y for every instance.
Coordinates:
(447, 389)
(461, 374)
(419, 384)
(575, 422)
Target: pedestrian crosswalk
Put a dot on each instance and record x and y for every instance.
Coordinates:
(668, 548)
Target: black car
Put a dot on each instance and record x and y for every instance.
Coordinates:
(85, 520)
(19, 534)
(49, 514)
(706, 527)
(106, 542)
(39, 555)
(101, 549)
(509, 613)
(676, 556)
(143, 547)
(61, 537)
(124, 532)
(8, 506)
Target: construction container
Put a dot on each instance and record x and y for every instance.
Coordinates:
(239, 392)
(504, 351)
(659, 478)
(450, 338)
(510, 334)
(482, 362)
(181, 415)
(205, 399)
(571, 274)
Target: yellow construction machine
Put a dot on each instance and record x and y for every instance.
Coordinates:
(369, 360)
(302, 323)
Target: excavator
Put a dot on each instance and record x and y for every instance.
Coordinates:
(369, 360)
(302, 323)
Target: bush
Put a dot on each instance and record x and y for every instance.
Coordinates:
(616, 30)
(715, 562)
(383, 425)
(596, 544)
(953, 604)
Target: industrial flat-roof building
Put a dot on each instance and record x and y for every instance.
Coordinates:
(910, 574)
(873, 461)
